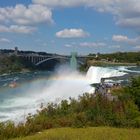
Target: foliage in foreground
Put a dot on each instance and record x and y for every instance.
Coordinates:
(94, 133)
(134, 90)
(87, 110)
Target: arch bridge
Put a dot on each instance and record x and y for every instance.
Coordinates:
(40, 59)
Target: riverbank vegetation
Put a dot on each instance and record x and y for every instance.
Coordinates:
(120, 57)
(12, 64)
(89, 110)
(113, 59)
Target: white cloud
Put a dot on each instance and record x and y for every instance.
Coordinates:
(119, 38)
(56, 3)
(24, 19)
(92, 44)
(125, 39)
(126, 12)
(86, 44)
(69, 45)
(4, 40)
(72, 33)
(73, 3)
(17, 29)
(137, 47)
(115, 46)
(22, 15)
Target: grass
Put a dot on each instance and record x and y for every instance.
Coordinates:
(90, 133)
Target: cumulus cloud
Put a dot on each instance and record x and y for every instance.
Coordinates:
(17, 29)
(126, 12)
(125, 39)
(72, 33)
(22, 15)
(4, 40)
(24, 19)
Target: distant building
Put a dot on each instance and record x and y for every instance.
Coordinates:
(97, 55)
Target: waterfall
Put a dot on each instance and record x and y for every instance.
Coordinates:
(95, 74)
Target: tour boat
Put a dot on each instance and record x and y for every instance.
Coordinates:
(13, 85)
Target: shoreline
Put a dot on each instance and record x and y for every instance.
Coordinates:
(22, 71)
(103, 63)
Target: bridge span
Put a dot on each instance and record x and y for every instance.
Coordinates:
(40, 59)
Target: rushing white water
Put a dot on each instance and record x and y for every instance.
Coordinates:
(125, 69)
(95, 74)
(65, 83)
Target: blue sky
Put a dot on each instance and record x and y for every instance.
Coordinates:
(60, 26)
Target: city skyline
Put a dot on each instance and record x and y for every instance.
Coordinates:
(59, 26)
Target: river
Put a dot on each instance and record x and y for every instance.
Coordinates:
(34, 88)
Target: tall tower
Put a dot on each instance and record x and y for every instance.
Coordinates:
(16, 51)
(73, 61)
